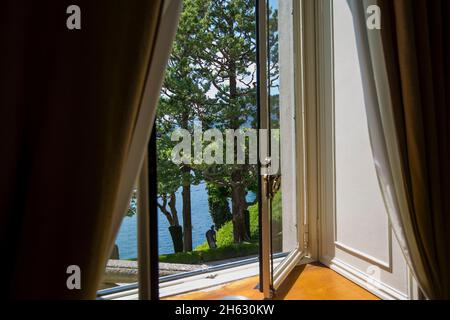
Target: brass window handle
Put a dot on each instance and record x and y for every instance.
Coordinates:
(272, 185)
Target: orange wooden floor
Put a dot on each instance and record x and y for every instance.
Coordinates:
(310, 282)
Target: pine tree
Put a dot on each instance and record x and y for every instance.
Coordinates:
(211, 78)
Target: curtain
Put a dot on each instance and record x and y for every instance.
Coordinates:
(408, 68)
(73, 105)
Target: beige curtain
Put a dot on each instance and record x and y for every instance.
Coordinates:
(407, 66)
(76, 111)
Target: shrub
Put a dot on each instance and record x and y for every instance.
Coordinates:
(254, 222)
(181, 257)
(218, 204)
(224, 236)
(202, 247)
(226, 248)
(201, 256)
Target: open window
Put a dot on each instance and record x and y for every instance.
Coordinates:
(213, 217)
(287, 75)
(282, 220)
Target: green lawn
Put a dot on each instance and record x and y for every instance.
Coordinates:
(209, 255)
(226, 248)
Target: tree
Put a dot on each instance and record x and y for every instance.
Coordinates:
(169, 181)
(224, 56)
(218, 204)
(183, 98)
(211, 78)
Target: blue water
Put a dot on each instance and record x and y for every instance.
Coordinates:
(201, 222)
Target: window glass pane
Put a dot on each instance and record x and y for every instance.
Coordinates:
(122, 266)
(206, 200)
(282, 123)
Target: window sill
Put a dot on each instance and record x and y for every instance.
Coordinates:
(196, 282)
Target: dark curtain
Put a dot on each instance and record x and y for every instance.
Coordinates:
(69, 100)
(416, 45)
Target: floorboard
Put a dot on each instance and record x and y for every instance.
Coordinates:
(309, 282)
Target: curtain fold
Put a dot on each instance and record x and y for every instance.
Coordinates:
(69, 104)
(409, 128)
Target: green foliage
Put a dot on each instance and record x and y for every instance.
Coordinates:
(244, 249)
(224, 236)
(276, 207)
(204, 246)
(226, 248)
(218, 204)
(211, 78)
(182, 97)
(218, 44)
(254, 222)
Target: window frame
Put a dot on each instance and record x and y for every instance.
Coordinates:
(305, 148)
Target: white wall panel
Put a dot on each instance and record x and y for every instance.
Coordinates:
(363, 247)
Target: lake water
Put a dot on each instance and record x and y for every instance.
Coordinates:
(201, 222)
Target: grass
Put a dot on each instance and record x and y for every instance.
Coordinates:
(226, 248)
(201, 256)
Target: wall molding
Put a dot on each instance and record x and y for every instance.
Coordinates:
(379, 289)
(387, 266)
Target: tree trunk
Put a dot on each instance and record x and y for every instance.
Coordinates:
(238, 199)
(186, 193)
(187, 224)
(173, 209)
(239, 204)
(176, 232)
